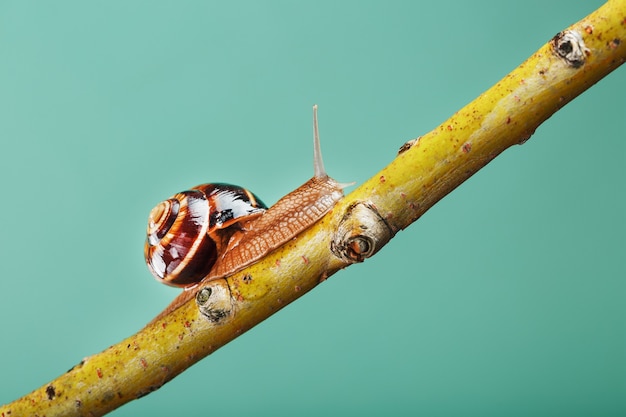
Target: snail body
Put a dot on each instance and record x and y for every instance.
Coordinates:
(291, 215)
(215, 230)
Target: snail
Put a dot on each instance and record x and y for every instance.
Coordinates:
(214, 230)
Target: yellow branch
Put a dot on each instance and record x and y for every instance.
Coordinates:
(391, 200)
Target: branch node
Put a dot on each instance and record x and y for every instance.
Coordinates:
(361, 233)
(407, 145)
(214, 301)
(570, 46)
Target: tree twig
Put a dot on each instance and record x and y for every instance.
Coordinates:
(425, 171)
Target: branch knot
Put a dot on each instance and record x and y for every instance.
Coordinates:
(361, 233)
(214, 301)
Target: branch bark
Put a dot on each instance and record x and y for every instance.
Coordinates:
(424, 172)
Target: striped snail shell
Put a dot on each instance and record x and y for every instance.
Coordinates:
(186, 232)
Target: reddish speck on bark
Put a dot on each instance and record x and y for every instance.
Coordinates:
(144, 363)
(187, 324)
(99, 372)
(467, 147)
(297, 288)
(382, 178)
(589, 29)
(305, 259)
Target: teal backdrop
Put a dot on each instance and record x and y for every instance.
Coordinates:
(506, 299)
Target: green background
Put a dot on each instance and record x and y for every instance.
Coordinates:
(507, 298)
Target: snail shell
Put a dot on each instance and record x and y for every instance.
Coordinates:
(186, 232)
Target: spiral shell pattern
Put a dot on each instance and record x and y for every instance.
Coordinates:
(178, 250)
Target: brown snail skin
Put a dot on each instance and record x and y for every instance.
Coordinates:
(249, 234)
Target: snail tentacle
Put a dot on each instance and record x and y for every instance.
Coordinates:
(318, 162)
